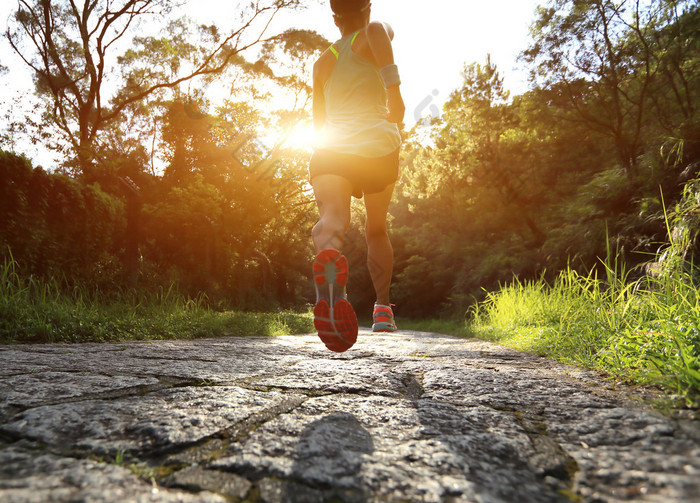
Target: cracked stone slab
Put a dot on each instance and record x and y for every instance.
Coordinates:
(274, 490)
(198, 479)
(32, 477)
(356, 376)
(393, 449)
(608, 474)
(38, 388)
(221, 360)
(409, 416)
(156, 422)
(507, 388)
(627, 453)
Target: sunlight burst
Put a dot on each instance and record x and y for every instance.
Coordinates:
(302, 137)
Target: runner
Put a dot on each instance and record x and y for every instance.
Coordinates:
(357, 105)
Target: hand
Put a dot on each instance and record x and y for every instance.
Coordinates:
(396, 106)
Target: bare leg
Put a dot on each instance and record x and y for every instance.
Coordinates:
(334, 317)
(333, 199)
(380, 254)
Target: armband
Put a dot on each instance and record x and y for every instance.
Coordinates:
(390, 75)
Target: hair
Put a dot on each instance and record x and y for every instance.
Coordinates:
(343, 8)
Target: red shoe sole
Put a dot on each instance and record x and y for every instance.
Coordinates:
(336, 327)
(323, 259)
(339, 330)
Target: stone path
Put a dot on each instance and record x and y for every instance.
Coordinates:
(408, 417)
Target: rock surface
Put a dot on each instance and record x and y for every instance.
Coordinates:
(404, 417)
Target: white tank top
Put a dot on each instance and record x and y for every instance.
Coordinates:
(356, 107)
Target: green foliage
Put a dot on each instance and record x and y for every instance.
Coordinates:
(54, 224)
(528, 186)
(608, 62)
(217, 231)
(227, 217)
(71, 52)
(453, 326)
(476, 194)
(218, 221)
(34, 311)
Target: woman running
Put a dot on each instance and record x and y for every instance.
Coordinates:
(357, 105)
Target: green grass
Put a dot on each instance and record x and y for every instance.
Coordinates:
(33, 311)
(646, 331)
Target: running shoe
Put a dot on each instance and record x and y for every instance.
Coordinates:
(383, 319)
(334, 317)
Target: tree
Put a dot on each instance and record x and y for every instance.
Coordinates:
(70, 47)
(677, 92)
(478, 118)
(470, 211)
(602, 58)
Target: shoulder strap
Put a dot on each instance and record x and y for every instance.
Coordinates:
(335, 51)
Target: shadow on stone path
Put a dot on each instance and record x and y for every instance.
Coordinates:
(405, 417)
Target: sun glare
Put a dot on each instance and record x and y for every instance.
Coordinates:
(302, 137)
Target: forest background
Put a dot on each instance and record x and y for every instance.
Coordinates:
(160, 189)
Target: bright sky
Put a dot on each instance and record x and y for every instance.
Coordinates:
(433, 41)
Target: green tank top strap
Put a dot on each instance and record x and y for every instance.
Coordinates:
(335, 51)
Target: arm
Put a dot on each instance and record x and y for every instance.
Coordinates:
(379, 36)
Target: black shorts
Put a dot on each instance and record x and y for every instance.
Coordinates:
(368, 175)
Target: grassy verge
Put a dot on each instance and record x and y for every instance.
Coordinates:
(647, 331)
(37, 312)
(644, 332)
